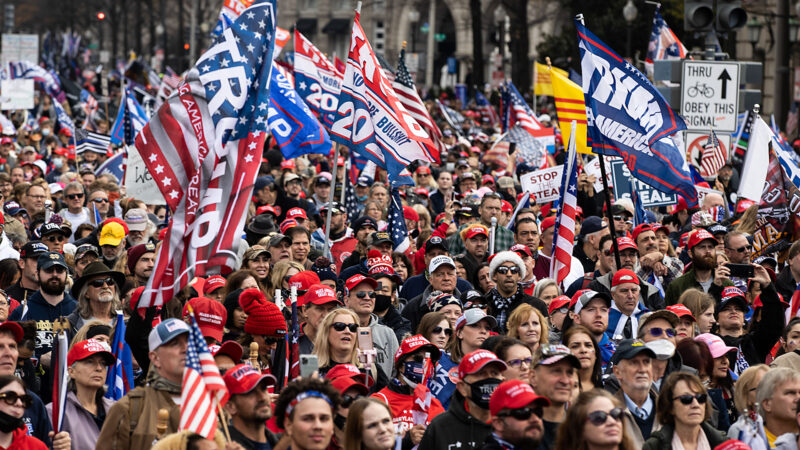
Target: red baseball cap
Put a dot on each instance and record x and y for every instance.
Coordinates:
(6, 140)
(14, 328)
(476, 230)
(625, 243)
(90, 347)
(699, 236)
(576, 296)
(210, 314)
(355, 280)
(288, 223)
(288, 164)
(475, 361)
(410, 214)
(558, 302)
(521, 250)
(624, 276)
(421, 191)
(680, 206)
(547, 223)
(514, 394)
(304, 280)
(733, 444)
(295, 213)
(681, 311)
(413, 343)
(487, 179)
(213, 283)
(506, 207)
(266, 209)
(346, 376)
(642, 227)
(242, 378)
(424, 169)
(231, 349)
(318, 294)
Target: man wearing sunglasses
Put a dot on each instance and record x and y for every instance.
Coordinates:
(507, 269)
(75, 212)
(249, 406)
(98, 295)
(98, 201)
(360, 297)
(516, 417)
(54, 236)
(633, 367)
(657, 330)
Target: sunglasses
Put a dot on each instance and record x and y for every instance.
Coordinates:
(746, 248)
(620, 218)
(348, 400)
(522, 413)
(563, 310)
(365, 294)
(74, 196)
(55, 269)
(519, 362)
(100, 200)
(686, 399)
(502, 270)
(100, 282)
(598, 418)
(340, 326)
(440, 330)
(657, 332)
(11, 398)
(55, 238)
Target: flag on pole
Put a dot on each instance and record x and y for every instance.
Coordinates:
(564, 234)
(629, 118)
(663, 43)
(91, 141)
(113, 166)
(136, 116)
(60, 379)
(714, 156)
(62, 118)
(120, 376)
(231, 9)
(742, 139)
(453, 117)
(533, 149)
(371, 120)
(350, 200)
(397, 223)
(202, 389)
(406, 92)
(486, 109)
(47, 78)
(204, 147)
(282, 36)
(542, 78)
(521, 114)
(294, 361)
(570, 105)
(316, 79)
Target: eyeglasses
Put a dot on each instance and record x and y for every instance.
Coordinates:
(440, 330)
(519, 362)
(657, 332)
(686, 399)
(100, 282)
(563, 310)
(11, 398)
(74, 196)
(55, 269)
(746, 248)
(598, 418)
(619, 217)
(522, 413)
(502, 270)
(55, 238)
(348, 400)
(340, 326)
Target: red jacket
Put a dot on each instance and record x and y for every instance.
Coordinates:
(22, 441)
(402, 406)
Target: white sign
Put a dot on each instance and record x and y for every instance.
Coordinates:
(593, 168)
(20, 47)
(16, 94)
(702, 192)
(544, 184)
(710, 95)
(139, 183)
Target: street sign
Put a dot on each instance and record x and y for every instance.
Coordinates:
(648, 195)
(710, 95)
(694, 151)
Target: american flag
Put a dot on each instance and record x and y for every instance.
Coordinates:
(397, 223)
(204, 146)
(714, 156)
(403, 85)
(294, 362)
(350, 200)
(486, 109)
(564, 235)
(521, 113)
(91, 141)
(171, 78)
(453, 117)
(664, 44)
(202, 388)
(89, 104)
(532, 150)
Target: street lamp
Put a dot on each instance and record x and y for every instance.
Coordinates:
(629, 13)
(413, 18)
(794, 30)
(754, 32)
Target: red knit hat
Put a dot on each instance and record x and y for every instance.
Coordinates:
(263, 317)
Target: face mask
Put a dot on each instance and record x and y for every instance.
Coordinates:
(340, 421)
(412, 373)
(481, 391)
(382, 302)
(46, 132)
(663, 348)
(58, 163)
(361, 198)
(414, 234)
(9, 423)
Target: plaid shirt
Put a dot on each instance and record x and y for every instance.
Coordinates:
(674, 270)
(503, 241)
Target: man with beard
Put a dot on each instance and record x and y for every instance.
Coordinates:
(704, 274)
(507, 269)
(342, 243)
(516, 417)
(137, 221)
(249, 407)
(363, 227)
(654, 265)
(476, 244)
(97, 292)
(112, 243)
(141, 260)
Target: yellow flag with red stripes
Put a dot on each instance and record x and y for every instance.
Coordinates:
(570, 105)
(542, 85)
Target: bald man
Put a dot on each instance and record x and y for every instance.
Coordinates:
(712, 200)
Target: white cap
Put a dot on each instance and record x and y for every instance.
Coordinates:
(440, 260)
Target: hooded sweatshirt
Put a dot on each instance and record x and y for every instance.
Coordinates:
(455, 428)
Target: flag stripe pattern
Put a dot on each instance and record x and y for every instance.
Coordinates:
(564, 235)
(91, 141)
(202, 388)
(664, 44)
(203, 148)
(486, 109)
(521, 113)
(397, 223)
(120, 375)
(406, 91)
(714, 156)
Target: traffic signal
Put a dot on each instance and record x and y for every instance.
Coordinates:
(698, 15)
(101, 15)
(730, 15)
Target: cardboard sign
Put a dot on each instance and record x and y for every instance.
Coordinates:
(544, 184)
(648, 195)
(20, 47)
(139, 183)
(593, 168)
(16, 94)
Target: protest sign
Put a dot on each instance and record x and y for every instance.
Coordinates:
(139, 183)
(16, 94)
(648, 195)
(543, 184)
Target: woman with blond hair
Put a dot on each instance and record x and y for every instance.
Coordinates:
(596, 420)
(527, 324)
(750, 425)
(279, 279)
(702, 307)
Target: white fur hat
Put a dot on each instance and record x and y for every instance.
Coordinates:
(504, 257)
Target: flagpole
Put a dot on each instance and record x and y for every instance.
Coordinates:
(344, 181)
(330, 198)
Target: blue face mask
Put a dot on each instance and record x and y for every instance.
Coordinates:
(58, 163)
(413, 372)
(362, 198)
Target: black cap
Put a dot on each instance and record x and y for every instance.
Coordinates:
(337, 207)
(33, 250)
(379, 237)
(50, 228)
(437, 242)
(717, 229)
(629, 348)
(50, 259)
(592, 224)
(364, 221)
(85, 249)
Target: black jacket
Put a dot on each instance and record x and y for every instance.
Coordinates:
(455, 428)
(398, 323)
(785, 284)
(661, 439)
(239, 438)
(649, 294)
(524, 298)
(763, 334)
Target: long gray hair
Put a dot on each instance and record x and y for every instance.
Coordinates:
(85, 307)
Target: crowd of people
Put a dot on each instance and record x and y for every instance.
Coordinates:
(461, 342)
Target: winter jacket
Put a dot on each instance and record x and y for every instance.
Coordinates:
(385, 342)
(649, 295)
(756, 344)
(36, 420)
(79, 422)
(519, 300)
(131, 422)
(786, 441)
(398, 323)
(22, 441)
(662, 439)
(455, 429)
(44, 314)
(689, 280)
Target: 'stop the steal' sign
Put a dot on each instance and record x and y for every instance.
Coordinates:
(648, 195)
(710, 95)
(544, 184)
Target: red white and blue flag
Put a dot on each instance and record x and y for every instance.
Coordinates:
(48, 78)
(370, 118)
(203, 148)
(397, 223)
(663, 43)
(564, 234)
(406, 92)
(521, 114)
(316, 79)
(120, 376)
(486, 109)
(202, 389)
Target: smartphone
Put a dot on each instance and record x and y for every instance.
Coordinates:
(308, 365)
(741, 270)
(365, 338)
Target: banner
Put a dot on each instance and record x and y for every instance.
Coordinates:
(756, 160)
(139, 184)
(542, 79)
(648, 195)
(16, 94)
(778, 210)
(544, 184)
(316, 79)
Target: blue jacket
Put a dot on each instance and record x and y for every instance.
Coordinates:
(607, 349)
(44, 314)
(36, 419)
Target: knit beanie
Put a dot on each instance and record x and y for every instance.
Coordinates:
(504, 257)
(322, 267)
(231, 303)
(263, 317)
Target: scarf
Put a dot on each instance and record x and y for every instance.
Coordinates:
(501, 305)
(623, 319)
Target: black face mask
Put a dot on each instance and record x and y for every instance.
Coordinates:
(340, 421)
(382, 302)
(9, 423)
(414, 234)
(481, 391)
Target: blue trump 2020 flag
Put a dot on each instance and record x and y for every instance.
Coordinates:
(628, 117)
(291, 122)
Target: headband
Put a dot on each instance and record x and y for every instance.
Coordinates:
(304, 395)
